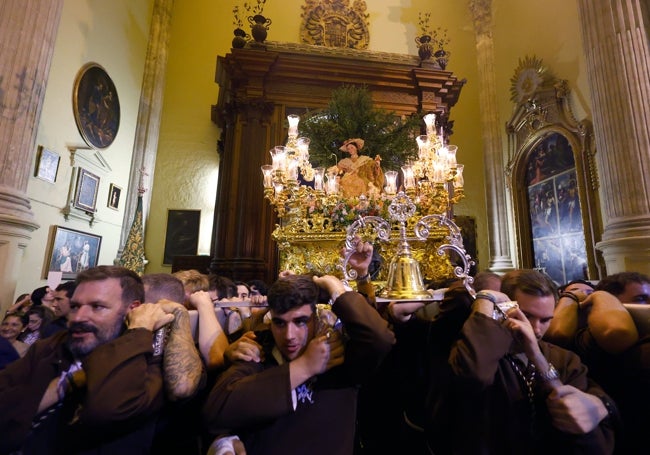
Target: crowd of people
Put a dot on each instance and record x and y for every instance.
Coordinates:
(197, 363)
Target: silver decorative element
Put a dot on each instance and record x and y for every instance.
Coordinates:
(405, 281)
(455, 244)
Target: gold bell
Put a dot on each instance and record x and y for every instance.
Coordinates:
(404, 277)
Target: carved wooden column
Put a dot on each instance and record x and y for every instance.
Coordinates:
(500, 227)
(615, 37)
(257, 89)
(27, 33)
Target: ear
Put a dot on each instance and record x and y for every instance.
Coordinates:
(134, 304)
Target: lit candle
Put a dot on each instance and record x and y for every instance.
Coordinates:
(429, 120)
(409, 180)
(303, 148)
(292, 169)
(279, 157)
(423, 145)
(293, 125)
(451, 155)
(332, 184)
(391, 182)
(319, 175)
(267, 172)
(459, 180)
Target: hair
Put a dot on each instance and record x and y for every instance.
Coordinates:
(529, 282)
(615, 284)
(588, 283)
(22, 296)
(193, 280)
(482, 280)
(160, 286)
(260, 286)
(291, 292)
(22, 319)
(68, 287)
(130, 282)
(42, 312)
(37, 295)
(225, 287)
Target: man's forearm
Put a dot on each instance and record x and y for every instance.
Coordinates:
(182, 367)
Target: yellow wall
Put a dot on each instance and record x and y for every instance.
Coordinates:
(113, 34)
(187, 158)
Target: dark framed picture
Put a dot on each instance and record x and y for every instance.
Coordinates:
(96, 106)
(85, 196)
(114, 193)
(71, 251)
(182, 236)
(47, 164)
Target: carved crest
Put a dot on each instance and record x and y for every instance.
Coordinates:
(335, 23)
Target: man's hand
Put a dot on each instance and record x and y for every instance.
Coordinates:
(199, 298)
(574, 411)
(149, 316)
(319, 356)
(245, 348)
(402, 312)
(331, 284)
(170, 307)
(522, 331)
(337, 349)
(361, 257)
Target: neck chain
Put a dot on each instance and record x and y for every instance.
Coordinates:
(527, 378)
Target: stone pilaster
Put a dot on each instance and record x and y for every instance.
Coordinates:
(499, 228)
(149, 114)
(615, 39)
(27, 33)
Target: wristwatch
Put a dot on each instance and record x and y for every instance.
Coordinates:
(550, 375)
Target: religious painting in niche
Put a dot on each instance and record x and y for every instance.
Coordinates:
(555, 214)
(96, 106)
(182, 237)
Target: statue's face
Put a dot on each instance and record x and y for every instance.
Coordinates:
(351, 148)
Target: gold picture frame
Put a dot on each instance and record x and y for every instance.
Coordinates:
(114, 195)
(96, 106)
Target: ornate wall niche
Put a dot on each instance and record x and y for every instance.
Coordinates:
(552, 178)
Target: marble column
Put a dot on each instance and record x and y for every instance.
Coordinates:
(147, 131)
(28, 30)
(615, 39)
(499, 228)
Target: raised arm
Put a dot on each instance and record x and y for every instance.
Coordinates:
(182, 366)
(212, 339)
(610, 323)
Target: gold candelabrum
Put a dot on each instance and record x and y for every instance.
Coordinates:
(314, 216)
(435, 179)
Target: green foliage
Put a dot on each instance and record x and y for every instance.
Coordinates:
(350, 114)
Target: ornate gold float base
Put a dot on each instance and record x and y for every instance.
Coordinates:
(319, 253)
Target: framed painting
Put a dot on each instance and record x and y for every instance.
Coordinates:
(85, 196)
(114, 193)
(96, 106)
(70, 251)
(182, 235)
(47, 164)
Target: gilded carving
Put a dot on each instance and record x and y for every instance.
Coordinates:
(335, 23)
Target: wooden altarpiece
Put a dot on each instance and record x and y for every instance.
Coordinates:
(258, 88)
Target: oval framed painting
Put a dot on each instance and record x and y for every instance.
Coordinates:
(96, 106)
